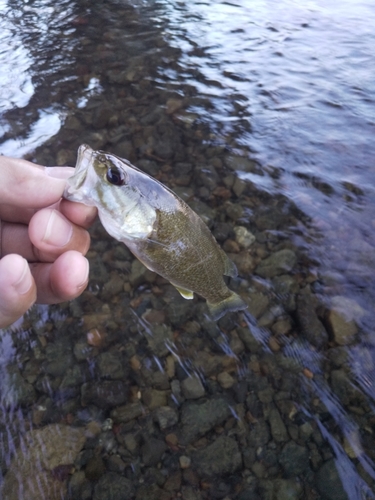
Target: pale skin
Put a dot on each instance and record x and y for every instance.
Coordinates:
(43, 238)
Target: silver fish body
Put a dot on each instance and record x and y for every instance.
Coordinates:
(159, 228)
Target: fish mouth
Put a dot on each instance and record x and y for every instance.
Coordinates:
(75, 183)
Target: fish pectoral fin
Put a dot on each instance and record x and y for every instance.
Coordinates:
(187, 294)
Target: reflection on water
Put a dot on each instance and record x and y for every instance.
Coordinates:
(260, 115)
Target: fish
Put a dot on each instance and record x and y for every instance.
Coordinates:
(157, 226)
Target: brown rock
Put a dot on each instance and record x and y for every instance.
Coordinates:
(342, 330)
(43, 463)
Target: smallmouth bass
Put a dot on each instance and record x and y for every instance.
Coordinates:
(159, 228)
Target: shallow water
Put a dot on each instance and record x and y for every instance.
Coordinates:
(260, 116)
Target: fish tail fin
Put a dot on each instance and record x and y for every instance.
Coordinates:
(231, 303)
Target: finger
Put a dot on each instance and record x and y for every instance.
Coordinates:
(25, 184)
(63, 280)
(17, 289)
(52, 233)
(80, 214)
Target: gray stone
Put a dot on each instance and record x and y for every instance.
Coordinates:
(258, 303)
(240, 163)
(15, 391)
(104, 394)
(162, 335)
(220, 457)
(233, 210)
(59, 358)
(199, 418)
(128, 412)
(113, 486)
(280, 262)
(294, 459)
(79, 486)
(139, 274)
(343, 330)
(207, 214)
(251, 343)
(345, 390)
(287, 489)
(243, 236)
(42, 452)
(153, 398)
(329, 483)
(260, 434)
(113, 287)
(278, 429)
(152, 451)
(192, 387)
(349, 308)
(166, 417)
(311, 326)
(111, 365)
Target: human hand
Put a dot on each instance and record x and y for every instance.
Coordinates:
(43, 239)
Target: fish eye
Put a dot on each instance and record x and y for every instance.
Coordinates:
(115, 176)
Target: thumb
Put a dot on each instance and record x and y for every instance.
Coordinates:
(17, 289)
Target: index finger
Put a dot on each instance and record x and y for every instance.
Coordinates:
(25, 184)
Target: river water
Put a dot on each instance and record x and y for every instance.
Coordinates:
(261, 115)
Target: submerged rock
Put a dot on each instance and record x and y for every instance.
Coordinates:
(329, 483)
(311, 326)
(220, 457)
(43, 463)
(294, 459)
(343, 331)
(197, 419)
(113, 486)
(280, 262)
(192, 387)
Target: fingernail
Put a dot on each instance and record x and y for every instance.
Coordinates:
(59, 172)
(58, 230)
(86, 275)
(23, 285)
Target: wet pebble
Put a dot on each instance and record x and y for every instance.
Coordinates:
(165, 417)
(278, 429)
(15, 390)
(280, 262)
(311, 326)
(225, 380)
(199, 418)
(343, 331)
(153, 398)
(329, 483)
(192, 387)
(152, 451)
(159, 339)
(185, 462)
(127, 412)
(294, 459)
(113, 486)
(220, 457)
(105, 394)
(244, 237)
(111, 365)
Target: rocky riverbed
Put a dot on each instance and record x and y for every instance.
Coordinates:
(132, 392)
